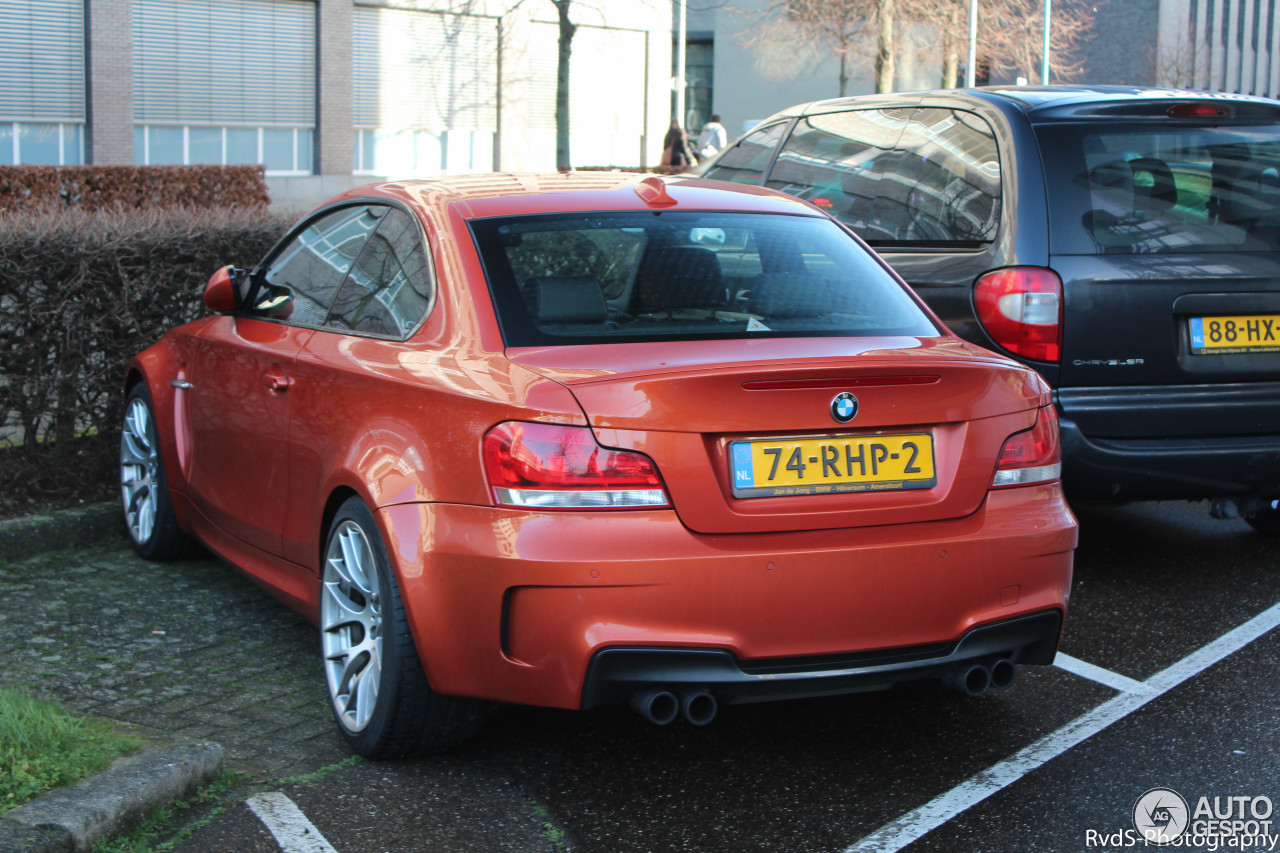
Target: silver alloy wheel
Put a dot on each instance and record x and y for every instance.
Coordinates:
(351, 612)
(139, 471)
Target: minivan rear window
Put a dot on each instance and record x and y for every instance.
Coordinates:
(1162, 188)
(681, 275)
(898, 177)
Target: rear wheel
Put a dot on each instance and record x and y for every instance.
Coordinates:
(1266, 521)
(144, 490)
(380, 696)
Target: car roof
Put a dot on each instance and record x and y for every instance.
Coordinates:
(1054, 102)
(513, 194)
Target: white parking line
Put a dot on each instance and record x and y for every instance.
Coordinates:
(1114, 680)
(293, 832)
(899, 833)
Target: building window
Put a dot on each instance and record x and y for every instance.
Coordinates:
(41, 144)
(379, 151)
(283, 150)
(424, 91)
(225, 81)
(42, 82)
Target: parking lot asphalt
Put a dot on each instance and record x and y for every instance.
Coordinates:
(189, 652)
(186, 650)
(192, 649)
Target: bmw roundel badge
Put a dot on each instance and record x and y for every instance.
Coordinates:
(844, 407)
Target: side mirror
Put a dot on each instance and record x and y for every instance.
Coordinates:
(221, 294)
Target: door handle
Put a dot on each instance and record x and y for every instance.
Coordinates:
(276, 381)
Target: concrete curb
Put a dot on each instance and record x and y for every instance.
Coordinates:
(30, 535)
(114, 801)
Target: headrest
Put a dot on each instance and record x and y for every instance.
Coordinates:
(1153, 184)
(565, 299)
(680, 277)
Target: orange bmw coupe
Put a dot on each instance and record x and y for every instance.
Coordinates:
(578, 440)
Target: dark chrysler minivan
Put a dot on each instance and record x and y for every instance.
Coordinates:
(1123, 242)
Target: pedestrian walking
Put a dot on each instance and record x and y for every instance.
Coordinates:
(712, 138)
(675, 147)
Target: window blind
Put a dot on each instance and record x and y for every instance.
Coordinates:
(249, 62)
(42, 60)
(424, 70)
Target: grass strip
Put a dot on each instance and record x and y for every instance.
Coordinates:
(43, 746)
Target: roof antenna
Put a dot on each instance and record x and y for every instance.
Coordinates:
(653, 192)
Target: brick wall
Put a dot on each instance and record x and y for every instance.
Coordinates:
(334, 135)
(109, 33)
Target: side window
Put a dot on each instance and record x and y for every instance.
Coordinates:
(744, 163)
(300, 282)
(838, 160)
(946, 188)
(391, 286)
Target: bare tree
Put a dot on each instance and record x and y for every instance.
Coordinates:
(1010, 33)
(886, 47)
(567, 29)
(1013, 37)
(791, 34)
(1175, 62)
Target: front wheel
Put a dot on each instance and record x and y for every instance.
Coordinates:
(379, 692)
(144, 490)
(1267, 520)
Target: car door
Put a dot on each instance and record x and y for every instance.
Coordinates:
(346, 377)
(242, 377)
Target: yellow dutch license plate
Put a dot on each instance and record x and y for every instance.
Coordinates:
(778, 467)
(1242, 333)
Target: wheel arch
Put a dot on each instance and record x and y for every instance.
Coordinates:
(337, 497)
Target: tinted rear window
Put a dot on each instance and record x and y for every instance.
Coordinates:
(564, 279)
(898, 177)
(1160, 188)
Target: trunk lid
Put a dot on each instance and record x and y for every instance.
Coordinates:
(685, 404)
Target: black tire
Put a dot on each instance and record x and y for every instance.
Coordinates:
(144, 488)
(1266, 521)
(362, 617)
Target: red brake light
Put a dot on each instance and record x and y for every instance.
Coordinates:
(1021, 309)
(1198, 111)
(1031, 456)
(549, 466)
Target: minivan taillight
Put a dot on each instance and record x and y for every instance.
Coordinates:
(1031, 456)
(1021, 309)
(549, 466)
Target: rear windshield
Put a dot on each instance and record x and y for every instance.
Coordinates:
(667, 275)
(1131, 189)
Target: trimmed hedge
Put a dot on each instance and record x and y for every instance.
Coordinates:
(81, 292)
(32, 188)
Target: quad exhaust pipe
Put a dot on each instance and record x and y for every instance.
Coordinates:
(699, 707)
(976, 678)
(657, 706)
(1003, 673)
(660, 707)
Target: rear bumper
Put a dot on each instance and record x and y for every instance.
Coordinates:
(617, 673)
(1174, 468)
(519, 606)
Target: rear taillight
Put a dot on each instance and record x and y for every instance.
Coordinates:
(1031, 456)
(548, 466)
(1021, 309)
